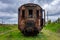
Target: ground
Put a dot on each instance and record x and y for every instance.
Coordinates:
(11, 32)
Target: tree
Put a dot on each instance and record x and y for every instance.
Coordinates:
(58, 20)
(49, 21)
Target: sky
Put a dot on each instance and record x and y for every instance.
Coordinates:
(9, 9)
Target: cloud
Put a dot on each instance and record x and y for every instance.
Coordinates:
(52, 18)
(8, 17)
(9, 1)
(9, 8)
(11, 21)
(8, 14)
(2, 5)
(53, 7)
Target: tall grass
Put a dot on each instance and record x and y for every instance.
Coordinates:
(15, 34)
(55, 27)
(5, 28)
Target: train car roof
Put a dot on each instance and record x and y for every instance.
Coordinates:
(29, 4)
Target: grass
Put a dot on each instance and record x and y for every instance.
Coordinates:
(17, 35)
(54, 27)
(11, 32)
(5, 28)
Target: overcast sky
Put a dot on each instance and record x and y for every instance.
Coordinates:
(9, 9)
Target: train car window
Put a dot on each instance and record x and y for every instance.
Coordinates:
(30, 13)
(37, 13)
(23, 13)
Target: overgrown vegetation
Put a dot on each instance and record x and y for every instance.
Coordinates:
(53, 26)
(6, 27)
(50, 32)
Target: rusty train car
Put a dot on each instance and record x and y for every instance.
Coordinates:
(30, 19)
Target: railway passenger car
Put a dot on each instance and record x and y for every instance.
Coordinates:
(30, 19)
